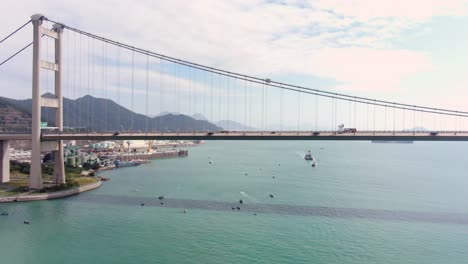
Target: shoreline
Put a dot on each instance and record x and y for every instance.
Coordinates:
(52, 195)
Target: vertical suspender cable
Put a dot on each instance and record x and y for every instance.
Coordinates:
(263, 94)
(133, 81)
(316, 112)
(385, 118)
(80, 87)
(282, 110)
(422, 119)
(176, 89)
(367, 116)
(118, 87)
(103, 63)
(266, 107)
(298, 111)
(349, 113)
(160, 94)
(234, 88)
(75, 116)
(147, 94)
(374, 117)
(219, 97)
(403, 123)
(245, 106)
(89, 85)
(211, 97)
(93, 84)
(394, 119)
(194, 91)
(250, 102)
(204, 98)
(67, 86)
(332, 113)
(336, 111)
(355, 113)
(228, 99)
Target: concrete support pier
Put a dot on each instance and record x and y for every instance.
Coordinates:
(5, 161)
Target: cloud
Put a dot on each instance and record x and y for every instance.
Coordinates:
(414, 10)
(347, 41)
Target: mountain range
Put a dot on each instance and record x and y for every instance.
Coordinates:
(97, 114)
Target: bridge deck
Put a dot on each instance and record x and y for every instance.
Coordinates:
(358, 136)
(392, 136)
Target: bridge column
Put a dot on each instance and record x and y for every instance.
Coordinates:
(59, 167)
(4, 161)
(35, 176)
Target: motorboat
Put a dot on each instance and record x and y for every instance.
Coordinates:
(308, 156)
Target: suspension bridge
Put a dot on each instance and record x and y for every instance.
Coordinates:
(128, 84)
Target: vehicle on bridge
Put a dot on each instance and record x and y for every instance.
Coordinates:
(343, 130)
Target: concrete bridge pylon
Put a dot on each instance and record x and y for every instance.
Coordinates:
(56, 102)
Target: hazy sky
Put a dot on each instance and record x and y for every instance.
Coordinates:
(407, 51)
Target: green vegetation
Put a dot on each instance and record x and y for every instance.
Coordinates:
(20, 179)
(91, 166)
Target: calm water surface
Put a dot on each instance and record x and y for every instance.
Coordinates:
(363, 203)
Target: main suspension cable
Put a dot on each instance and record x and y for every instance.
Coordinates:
(14, 32)
(267, 81)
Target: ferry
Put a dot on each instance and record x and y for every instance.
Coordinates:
(308, 156)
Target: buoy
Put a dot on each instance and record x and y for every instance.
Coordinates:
(241, 202)
(271, 195)
(210, 162)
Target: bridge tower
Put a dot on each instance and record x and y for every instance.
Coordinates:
(35, 178)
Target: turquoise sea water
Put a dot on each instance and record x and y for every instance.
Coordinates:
(363, 203)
